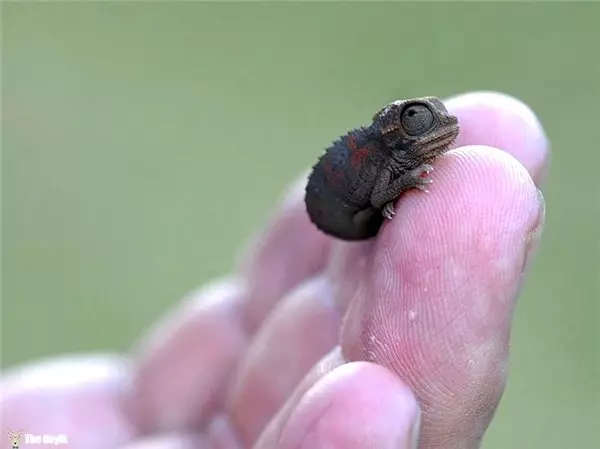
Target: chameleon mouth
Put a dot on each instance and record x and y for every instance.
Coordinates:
(439, 144)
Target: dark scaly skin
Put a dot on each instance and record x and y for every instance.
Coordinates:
(353, 185)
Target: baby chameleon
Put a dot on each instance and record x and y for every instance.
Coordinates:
(353, 185)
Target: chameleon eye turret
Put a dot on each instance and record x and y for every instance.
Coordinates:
(417, 119)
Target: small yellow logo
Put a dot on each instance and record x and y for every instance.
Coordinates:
(15, 438)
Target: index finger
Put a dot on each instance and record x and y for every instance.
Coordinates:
(432, 297)
(435, 302)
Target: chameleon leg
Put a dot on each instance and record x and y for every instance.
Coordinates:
(385, 193)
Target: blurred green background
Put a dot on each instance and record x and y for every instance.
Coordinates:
(143, 143)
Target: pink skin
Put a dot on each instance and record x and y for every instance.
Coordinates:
(316, 343)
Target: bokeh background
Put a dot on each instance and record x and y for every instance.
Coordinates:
(143, 143)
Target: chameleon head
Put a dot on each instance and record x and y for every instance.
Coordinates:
(421, 125)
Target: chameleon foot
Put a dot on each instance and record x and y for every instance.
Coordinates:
(421, 182)
(388, 210)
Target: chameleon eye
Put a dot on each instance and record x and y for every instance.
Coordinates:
(417, 119)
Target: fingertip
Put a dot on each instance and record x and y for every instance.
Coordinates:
(299, 331)
(499, 120)
(170, 390)
(474, 184)
(289, 250)
(355, 406)
(477, 225)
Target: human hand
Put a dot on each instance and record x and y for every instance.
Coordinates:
(315, 343)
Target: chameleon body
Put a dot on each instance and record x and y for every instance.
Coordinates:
(352, 188)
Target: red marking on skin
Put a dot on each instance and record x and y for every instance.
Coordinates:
(359, 156)
(331, 174)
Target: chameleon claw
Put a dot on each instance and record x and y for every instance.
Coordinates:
(388, 210)
(421, 170)
(420, 180)
(422, 185)
(426, 168)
